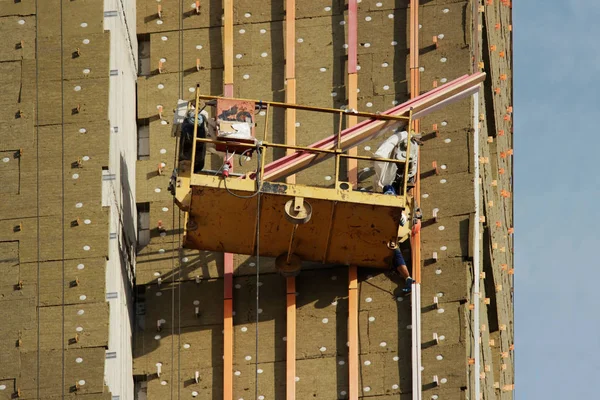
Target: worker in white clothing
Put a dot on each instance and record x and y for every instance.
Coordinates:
(388, 177)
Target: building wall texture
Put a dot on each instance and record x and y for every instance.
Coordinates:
(67, 237)
(87, 147)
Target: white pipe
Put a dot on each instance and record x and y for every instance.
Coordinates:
(413, 320)
(415, 298)
(418, 335)
(476, 266)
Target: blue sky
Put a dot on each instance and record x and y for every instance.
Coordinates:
(557, 198)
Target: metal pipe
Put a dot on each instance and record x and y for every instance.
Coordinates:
(338, 149)
(413, 349)
(303, 148)
(386, 117)
(372, 158)
(266, 123)
(417, 290)
(407, 163)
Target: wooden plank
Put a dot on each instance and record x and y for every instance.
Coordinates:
(352, 36)
(290, 77)
(228, 41)
(290, 374)
(228, 350)
(415, 92)
(290, 121)
(290, 138)
(353, 367)
(290, 39)
(228, 257)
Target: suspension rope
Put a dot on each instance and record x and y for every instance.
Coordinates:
(258, 198)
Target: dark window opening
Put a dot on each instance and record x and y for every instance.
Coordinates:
(143, 214)
(143, 143)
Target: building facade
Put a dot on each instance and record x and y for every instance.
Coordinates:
(99, 297)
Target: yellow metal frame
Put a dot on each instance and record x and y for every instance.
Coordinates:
(337, 152)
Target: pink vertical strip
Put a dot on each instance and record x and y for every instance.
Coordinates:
(352, 36)
(228, 257)
(228, 90)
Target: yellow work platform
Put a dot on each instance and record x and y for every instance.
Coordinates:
(346, 227)
(255, 215)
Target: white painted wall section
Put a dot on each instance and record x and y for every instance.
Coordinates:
(119, 194)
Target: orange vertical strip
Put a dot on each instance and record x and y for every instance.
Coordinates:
(290, 121)
(352, 83)
(290, 77)
(290, 139)
(290, 374)
(228, 351)
(353, 332)
(228, 257)
(228, 41)
(415, 90)
(290, 39)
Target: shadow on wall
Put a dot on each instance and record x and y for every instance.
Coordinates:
(316, 289)
(401, 51)
(127, 211)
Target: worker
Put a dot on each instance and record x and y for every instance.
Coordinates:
(186, 142)
(399, 265)
(390, 175)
